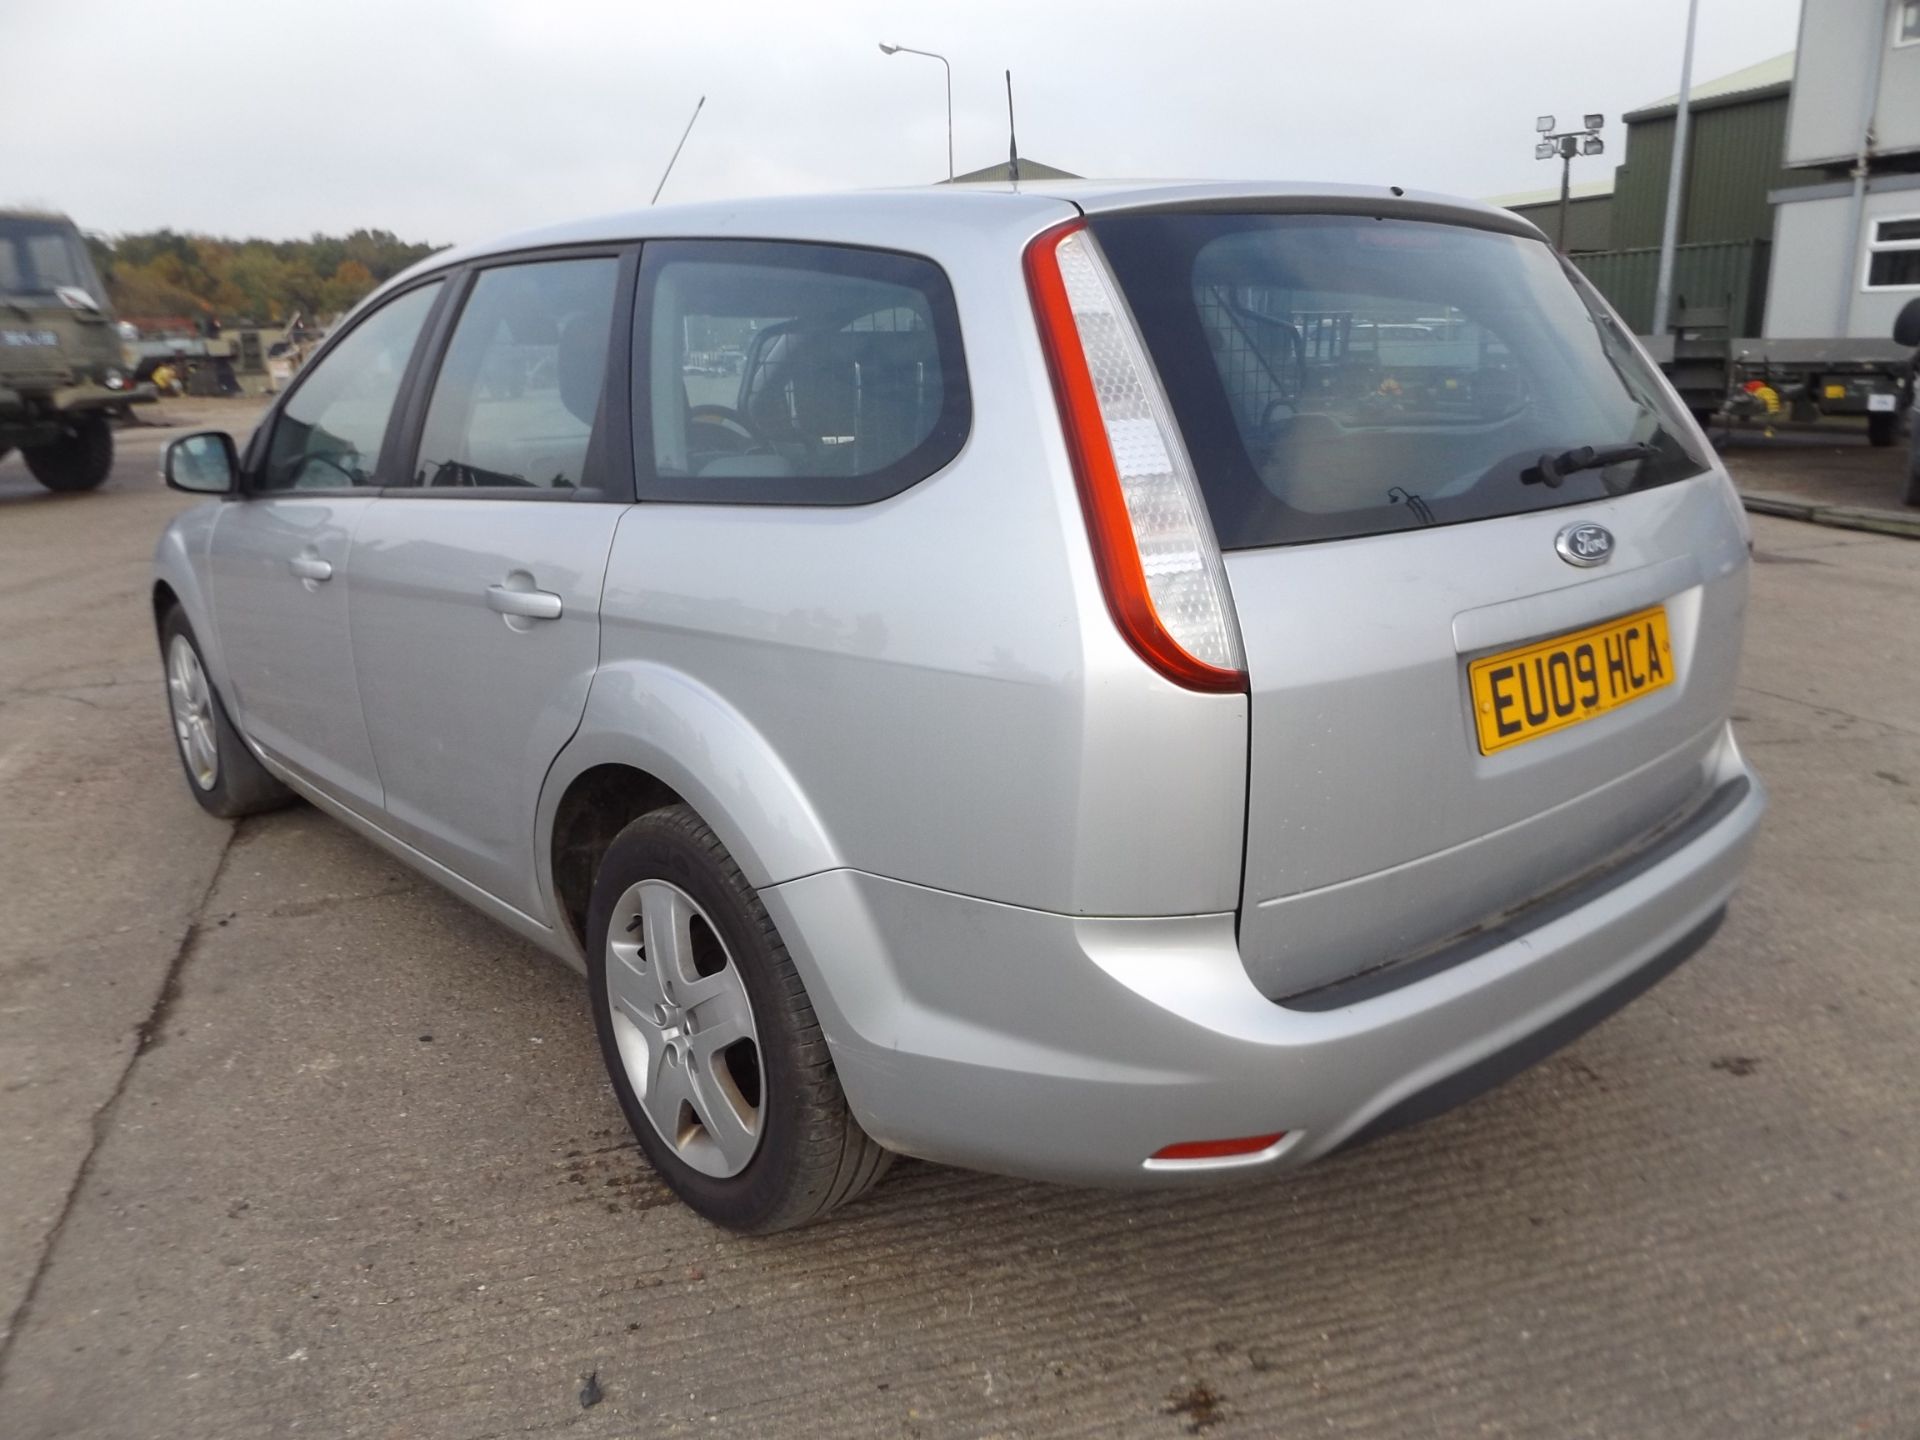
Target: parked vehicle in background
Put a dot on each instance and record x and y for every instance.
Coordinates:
(1798, 232)
(63, 370)
(1906, 333)
(1119, 684)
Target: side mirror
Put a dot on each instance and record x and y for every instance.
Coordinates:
(204, 463)
(1906, 325)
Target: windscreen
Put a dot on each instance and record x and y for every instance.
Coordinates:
(1339, 375)
(37, 255)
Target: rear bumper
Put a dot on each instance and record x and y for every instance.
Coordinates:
(1072, 1049)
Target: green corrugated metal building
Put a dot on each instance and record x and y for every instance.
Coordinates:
(1736, 141)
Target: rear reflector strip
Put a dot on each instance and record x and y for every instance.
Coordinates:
(1159, 565)
(1218, 1149)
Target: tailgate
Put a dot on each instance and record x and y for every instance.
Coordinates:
(1376, 826)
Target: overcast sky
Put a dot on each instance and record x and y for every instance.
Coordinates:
(453, 121)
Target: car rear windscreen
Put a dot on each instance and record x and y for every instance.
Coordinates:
(1339, 375)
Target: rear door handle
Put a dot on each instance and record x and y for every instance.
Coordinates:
(529, 604)
(311, 567)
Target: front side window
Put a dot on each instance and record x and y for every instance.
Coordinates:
(328, 435)
(1338, 375)
(519, 390)
(1893, 254)
(776, 373)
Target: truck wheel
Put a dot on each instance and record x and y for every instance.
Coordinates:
(1882, 425)
(79, 460)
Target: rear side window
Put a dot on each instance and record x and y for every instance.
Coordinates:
(793, 374)
(1346, 375)
(517, 395)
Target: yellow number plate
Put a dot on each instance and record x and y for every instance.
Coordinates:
(1533, 691)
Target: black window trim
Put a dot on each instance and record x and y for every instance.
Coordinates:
(610, 450)
(260, 446)
(935, 453)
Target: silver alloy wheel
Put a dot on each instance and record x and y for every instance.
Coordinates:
(684, 1027)
(191, 700)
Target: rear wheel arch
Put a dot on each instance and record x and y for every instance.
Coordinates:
(657, 737)
(593, 808)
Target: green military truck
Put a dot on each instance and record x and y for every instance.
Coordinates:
(63, 376)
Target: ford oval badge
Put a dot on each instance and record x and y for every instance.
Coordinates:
(1585, 544)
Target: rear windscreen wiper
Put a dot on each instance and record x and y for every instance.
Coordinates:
(1550, 470)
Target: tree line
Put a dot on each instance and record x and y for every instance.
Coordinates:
(164, 274)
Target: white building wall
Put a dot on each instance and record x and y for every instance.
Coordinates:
(1808, 271)
(1811, 273)
(1841, 43)
(1872, 311)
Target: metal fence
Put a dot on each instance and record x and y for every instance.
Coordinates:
(1732, 273)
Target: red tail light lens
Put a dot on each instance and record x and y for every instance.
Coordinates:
(1219, 1149)
(1159, 565)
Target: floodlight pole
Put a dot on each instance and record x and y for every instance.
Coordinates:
(1567, 147)
(1567, 144)
(1676, 180)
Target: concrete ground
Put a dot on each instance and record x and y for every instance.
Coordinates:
(295, 1144)
(1826, 473)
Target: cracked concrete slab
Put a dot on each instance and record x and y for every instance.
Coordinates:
(366, 1179)
(103, 868)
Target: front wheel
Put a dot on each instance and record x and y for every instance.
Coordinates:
(712, 1046)
(221, 772)
(80, 459)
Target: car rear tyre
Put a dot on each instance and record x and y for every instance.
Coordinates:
(221, 772)
(712, 1046)
(79, 460)
(1882, 427)
(1913, 463)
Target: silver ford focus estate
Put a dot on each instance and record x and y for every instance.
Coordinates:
(1116, 684)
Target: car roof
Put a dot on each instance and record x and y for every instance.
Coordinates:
(933, 218)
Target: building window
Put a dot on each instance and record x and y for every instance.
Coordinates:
(1893, 254)
(1906, 23)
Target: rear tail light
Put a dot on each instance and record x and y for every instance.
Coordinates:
(1159, 565)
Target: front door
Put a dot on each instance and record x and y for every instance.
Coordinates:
(475, 604)
(280, 556)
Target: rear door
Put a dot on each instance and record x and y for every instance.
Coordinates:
(1379, 411)
(279, 557)
(476, 586)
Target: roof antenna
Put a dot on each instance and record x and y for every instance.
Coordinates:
(1013, 148)
(677, 149)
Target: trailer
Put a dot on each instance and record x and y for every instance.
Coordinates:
(1803, 380)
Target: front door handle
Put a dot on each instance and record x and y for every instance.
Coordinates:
(311, 567)
(528, 604)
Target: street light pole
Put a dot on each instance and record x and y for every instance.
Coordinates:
(886, 49)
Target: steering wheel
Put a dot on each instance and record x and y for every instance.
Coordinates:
(724, 420)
